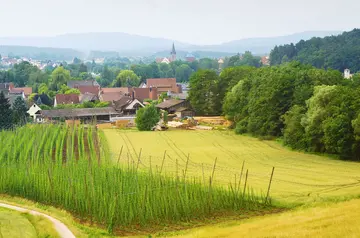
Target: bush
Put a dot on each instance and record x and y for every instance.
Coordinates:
(147, 117)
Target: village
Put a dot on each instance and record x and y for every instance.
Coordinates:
(122, 103)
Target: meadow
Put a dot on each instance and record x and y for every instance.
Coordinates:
(17, 225)
(299, 178)
(71, 168)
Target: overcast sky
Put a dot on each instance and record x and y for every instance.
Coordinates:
(192, 21)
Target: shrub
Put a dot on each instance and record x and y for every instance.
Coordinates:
(147, 117)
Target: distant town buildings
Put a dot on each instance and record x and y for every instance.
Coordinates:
(173, 57)
(265, 60)
(347, 74)
(8, 62)
(190, 57)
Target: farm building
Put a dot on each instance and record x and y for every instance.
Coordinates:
(179, 107)
(127, 105)
(83, 114)
(35, 112)
(66, 99)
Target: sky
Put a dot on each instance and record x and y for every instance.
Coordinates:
(190, 21)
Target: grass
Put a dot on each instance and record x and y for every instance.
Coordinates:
(326, 220)
(17, 225)
(79, 230)
(298, 178)
(68, 168)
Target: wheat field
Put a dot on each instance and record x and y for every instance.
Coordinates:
(298, 177)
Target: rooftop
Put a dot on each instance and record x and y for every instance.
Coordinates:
(67, 98)
(79, 112)
(169, 103)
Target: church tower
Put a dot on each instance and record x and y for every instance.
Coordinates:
(173, 53)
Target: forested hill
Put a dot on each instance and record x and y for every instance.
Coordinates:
(40, 53)
(336, 52)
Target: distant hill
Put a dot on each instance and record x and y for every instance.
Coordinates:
(260, 46)
(135, 45)
(41, 53)
(336, 52)
(181, 54)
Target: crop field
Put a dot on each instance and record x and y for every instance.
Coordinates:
(326, 220)
(298, 177)
(70, 168)
(17, 225)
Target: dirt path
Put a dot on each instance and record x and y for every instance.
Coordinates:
(60, 227)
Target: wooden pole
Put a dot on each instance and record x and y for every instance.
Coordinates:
(213, 172)
(246, 177)
(268, 191)
(186, 167)
(242, 170)
(162, 164)
(137, 166)
(120, 154)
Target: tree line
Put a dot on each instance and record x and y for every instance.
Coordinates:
(311, 109)
(335, 52)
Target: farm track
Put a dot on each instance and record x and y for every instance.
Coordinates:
(61, 228)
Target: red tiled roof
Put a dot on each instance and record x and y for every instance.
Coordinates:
(16, 91)
(162, 83)
(140, 93)
(67, 99)
(27, 90)
(111, 96)
(89, 89)
(123, 90)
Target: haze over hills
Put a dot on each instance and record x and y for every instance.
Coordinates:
(135, 45)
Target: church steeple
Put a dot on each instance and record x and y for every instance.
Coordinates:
(173, 53)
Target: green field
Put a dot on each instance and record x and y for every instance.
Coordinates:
(298, 177)
(18, 225)
(327, 220)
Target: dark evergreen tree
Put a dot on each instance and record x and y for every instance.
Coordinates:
(19, 112)
(5, 113)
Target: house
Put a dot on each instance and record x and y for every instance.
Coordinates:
(182, 112)
(123, 90)
(179, 107)
(35, 112)
(143, 93)
(89, 89)
(347, 74)
(88, 97)
(83, 114)
(164, 85)
(265, 60)
(66, 99)
(78, 83)
(6, 87)
(111, 96)
(27, 91)
(127, 105)
(190, 57)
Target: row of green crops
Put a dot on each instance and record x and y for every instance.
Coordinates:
(70, 168)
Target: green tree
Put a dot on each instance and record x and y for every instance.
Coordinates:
(203, 94)
(43, 89)
(59, 77)
(127, 78)
(5, 113)
(183, 73)
(19, 112)
(147, 118)
(64, 89)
